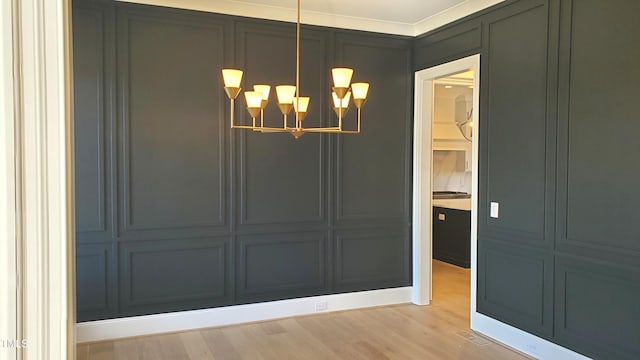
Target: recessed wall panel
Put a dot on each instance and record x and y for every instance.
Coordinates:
(96, 288)
(282, 179)
(371, 259)
(272, 266)
(373, 167)
(91, 121)
(92, 280)
(162, 274)
(171, 122)
(597, 308)
(598, 176)
(515, 286)
(515, 89)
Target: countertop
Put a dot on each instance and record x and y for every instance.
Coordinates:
(458, 204)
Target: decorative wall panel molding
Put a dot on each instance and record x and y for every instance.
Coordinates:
(373, 170)
(385, 259)
(280, 265)
(597, 308)
(513, 143)
(95, 277)
(168, 274)
(93, 120)
(598, 202)
(503, 294)
(172, 127)
(282, 180)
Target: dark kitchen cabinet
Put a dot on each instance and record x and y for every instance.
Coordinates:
(452, 236)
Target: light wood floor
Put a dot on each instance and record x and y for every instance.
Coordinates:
(438, 331)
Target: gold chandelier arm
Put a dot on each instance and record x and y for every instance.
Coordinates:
(329, 130)
(242, 127)
(266, 129)
(274, 130)
(333, 130)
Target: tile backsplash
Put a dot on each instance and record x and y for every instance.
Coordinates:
(448, 171)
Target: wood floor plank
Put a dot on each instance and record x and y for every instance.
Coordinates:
(399, 332)
(101, 351)
(219, 346)
(171, 347)
(196, 346)
(302, 342)
(128, 349)
(82, 352)
(272, 327)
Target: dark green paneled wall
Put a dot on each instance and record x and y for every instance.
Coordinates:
(558, 152)
(176, 211)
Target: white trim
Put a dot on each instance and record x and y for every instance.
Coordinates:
(503, 333)
(44, 178)
(421, 229)
(262, 11)
(8, 225)
(521, 341)
(452, 14)
(196, 319)
(422, 170)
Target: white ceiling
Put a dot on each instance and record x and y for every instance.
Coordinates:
(400, 11)
(402, 17)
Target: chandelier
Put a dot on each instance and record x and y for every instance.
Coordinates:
(289, 98)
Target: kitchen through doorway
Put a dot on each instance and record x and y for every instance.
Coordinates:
(451, 177)
(445, 180)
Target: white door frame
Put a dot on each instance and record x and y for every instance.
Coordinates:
(422, 176)
(422, 215)
(37, 229)
(8, 228)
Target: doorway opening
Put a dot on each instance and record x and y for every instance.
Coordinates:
(445, 159)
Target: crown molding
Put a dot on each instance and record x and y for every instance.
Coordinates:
(451, 14)
(237, 8)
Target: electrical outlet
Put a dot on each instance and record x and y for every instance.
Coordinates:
(322, 306)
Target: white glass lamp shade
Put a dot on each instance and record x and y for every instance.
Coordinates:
(285, 93)
(341, 77)
(360, 90)
(232, 77)
(301, 104)
(263, 89)
(253, 98)
(344, 103)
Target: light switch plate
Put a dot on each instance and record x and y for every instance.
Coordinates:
(495, 207)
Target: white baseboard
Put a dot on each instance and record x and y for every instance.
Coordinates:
(196, 319)
(522, 341)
